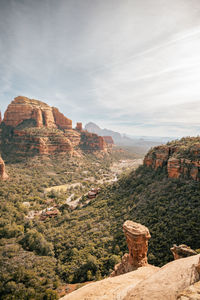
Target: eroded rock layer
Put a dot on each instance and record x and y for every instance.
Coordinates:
(181, 158)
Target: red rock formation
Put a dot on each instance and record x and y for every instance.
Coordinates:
(22, 108)
(0, 118)
(3, 174)
(92, 142)
(45, 142)
(60, 120)
(137, 237)
(177, 158)
(108, 140)
(79, 126)
(182, 251)
(31, 127)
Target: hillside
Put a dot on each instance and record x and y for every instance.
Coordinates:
(85, 243)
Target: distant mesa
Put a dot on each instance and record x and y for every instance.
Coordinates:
(31, 127)
(181, 158)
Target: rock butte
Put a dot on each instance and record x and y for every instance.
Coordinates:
(163, 155)
(31, 127)
(137, 237)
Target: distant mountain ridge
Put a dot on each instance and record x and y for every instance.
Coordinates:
(94, 128)
(139, 144)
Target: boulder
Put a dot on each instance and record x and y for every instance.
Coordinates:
(182, 251)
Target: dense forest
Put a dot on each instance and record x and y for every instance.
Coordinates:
(38, 257)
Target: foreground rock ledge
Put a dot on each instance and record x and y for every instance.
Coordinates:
(146, 283)
(137, 237)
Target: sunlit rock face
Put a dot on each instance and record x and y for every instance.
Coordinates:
(31, 127)
(23, 108)
(3, 174)
(180, 160)
(137, 237)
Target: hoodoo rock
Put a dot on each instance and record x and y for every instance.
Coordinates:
(182, 251)
(181, 158)
(31, 127)
(137, 237)
(3, 174)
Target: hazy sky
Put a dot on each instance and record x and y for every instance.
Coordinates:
(128, 65)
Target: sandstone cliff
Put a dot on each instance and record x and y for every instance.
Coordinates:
(31, 127)
(3, 174)
(181, 158)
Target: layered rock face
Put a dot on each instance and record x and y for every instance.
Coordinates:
(32, 127)
(23, 108)
(181, 158)
(137, 237)
(3, 174)
(60, 120)
(92, 142)
(182, 251)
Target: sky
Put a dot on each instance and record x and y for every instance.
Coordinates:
(132, 66)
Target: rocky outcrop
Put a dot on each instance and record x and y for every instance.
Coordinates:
(92, 142)
(3, 174)
(115, 288)
(168, 282)
(79, 126)
(180, 158)
(137, 237)
(176, 279)
(182, 251)
(0, 118)
(190, 293)
(31, 127)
